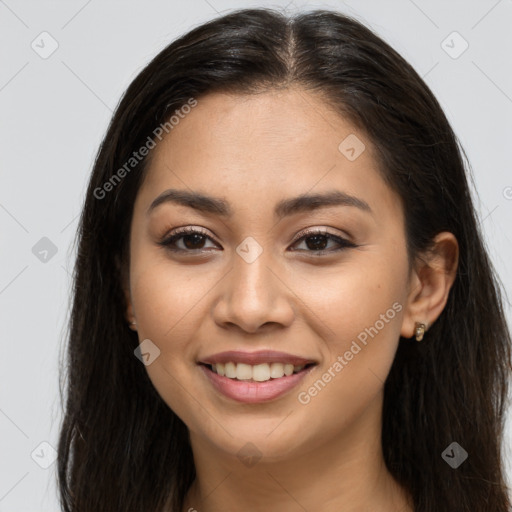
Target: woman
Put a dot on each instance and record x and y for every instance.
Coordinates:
(282, 300)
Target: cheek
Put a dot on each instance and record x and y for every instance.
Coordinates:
(168, 305)
(362, 305)
(165, 297)
(354, 297)
(363, 312)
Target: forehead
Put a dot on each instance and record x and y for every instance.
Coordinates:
(260, 148)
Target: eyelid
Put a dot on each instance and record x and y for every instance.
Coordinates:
(179, 232)
(319, 231)
(185, 230)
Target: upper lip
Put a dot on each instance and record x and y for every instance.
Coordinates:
(253, 358)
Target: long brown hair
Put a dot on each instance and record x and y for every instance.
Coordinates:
(121, 448)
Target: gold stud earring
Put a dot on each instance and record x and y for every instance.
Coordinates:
(419, 330)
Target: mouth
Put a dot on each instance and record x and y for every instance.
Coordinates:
(263, 372)
(270, 376)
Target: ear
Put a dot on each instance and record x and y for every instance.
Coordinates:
(125, 285)
(430, 282)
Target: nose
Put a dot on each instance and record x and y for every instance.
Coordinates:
(254, 297)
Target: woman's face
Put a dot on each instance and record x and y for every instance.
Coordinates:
(258, 277)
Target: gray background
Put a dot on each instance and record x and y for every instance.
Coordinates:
(55, 111)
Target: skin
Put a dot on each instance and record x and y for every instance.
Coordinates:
(254, 151)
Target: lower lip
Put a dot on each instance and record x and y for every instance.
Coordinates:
(254, 392)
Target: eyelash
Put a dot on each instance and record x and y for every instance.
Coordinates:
(168, 241)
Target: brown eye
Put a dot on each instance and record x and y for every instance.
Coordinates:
(317, 241)
(192, 240)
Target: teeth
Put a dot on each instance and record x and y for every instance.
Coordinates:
(276, 370)
(243, 371)
(258, 372)
(261, 372)
(230, 369)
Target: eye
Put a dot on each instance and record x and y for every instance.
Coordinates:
(317, 240)
(193, 240)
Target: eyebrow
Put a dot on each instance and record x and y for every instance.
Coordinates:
(286, 207)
